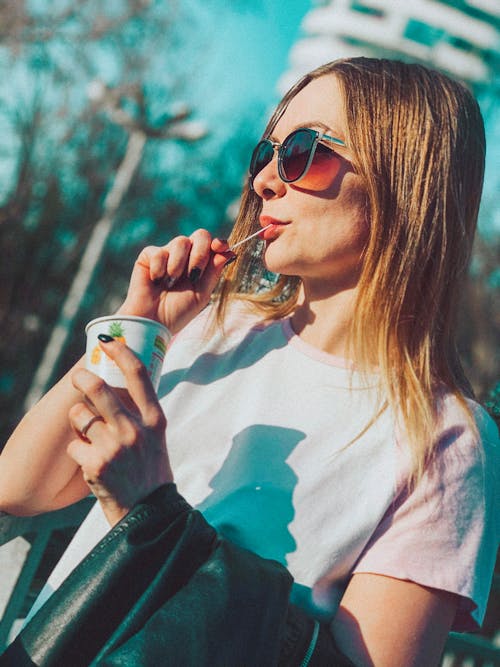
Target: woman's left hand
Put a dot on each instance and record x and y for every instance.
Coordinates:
(122, 454)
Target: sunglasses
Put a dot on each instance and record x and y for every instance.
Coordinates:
(301, 156)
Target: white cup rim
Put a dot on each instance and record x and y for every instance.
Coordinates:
(128, 318)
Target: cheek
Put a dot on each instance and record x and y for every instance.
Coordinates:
(357, 231)
(359, 235)
(322, 173)
(344, 226)
(355, 200)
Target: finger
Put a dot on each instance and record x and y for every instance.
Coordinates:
(138, 382)
(90, 459)
(105, 401)
(81, 453)
(213, 271)
(227, 256)
(154, 260)
(220, 245)
(93, 460)
(178, 258)
(199, 256)
(83, 420)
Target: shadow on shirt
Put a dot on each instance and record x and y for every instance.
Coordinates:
(251, 502)
(209, 367)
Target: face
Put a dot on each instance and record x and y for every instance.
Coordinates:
(319, 225)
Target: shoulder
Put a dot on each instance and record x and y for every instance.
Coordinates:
(465, 417)
(461, 482)
(465, 441)
(444, 533)
(467, 445)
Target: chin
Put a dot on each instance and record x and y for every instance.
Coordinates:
(276, 262)
(279, 267)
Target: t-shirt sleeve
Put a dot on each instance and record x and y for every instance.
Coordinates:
(445, 532)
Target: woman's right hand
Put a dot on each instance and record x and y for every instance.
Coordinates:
(120, 443)
(173, 283)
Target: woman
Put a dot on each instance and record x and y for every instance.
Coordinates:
(324, 422)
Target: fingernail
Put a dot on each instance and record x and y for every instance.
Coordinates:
(194, 275)
(231, 260)
(104, 338)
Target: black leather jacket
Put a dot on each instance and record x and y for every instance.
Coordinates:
(162, 588)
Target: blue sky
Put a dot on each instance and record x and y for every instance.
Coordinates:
(232, 54)
(245, 54)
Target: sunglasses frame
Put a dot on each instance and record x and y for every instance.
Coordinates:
(318, 137)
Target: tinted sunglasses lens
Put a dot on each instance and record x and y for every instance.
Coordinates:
(296, 151)
(261, 156)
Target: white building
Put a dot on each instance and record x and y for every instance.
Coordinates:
(460, 37)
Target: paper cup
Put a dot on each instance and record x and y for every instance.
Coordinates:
(147, 338)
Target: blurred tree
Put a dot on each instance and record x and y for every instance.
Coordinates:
(174, 126)
(479, 324)
(61, 149)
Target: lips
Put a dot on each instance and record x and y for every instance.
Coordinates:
(271, 232)
(268, 220)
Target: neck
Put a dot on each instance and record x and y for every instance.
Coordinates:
(323, 317)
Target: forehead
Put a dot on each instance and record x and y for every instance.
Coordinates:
(319, 103)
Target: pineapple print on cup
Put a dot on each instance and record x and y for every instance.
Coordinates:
(116, 330)
(95, 356)
(148, 339)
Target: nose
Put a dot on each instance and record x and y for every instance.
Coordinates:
(267, 184)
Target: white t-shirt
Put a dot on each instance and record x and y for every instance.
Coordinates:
(274, 441)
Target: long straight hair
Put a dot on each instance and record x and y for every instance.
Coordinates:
(417, 138)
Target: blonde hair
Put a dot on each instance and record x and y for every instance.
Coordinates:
(418, 142)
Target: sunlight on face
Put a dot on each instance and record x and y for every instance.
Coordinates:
(321, 227)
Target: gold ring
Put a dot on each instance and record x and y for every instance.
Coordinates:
(83, 431)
